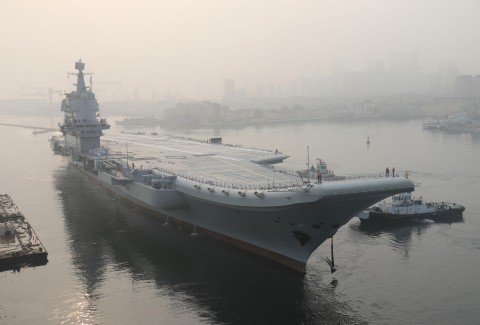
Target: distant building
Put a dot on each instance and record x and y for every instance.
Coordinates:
(443, 106)
(467, 92)
(463, 86)
(229, 91)
(476, 86)
(196, 113)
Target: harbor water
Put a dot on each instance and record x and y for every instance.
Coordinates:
(110, 263)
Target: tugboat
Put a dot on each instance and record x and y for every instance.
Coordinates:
(404, 207)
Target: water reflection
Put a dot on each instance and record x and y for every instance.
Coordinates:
(207, 279)
(77, 308)
(396, 227)
(399, 234)
(396, 236)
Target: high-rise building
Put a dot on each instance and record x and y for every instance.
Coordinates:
(463, 86)
(229, 90)
(476, 86)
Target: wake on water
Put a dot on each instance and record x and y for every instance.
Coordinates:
(426, 221)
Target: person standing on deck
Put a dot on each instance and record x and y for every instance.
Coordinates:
(393, 172)
(387, 172)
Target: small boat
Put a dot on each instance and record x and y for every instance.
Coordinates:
(433, 125)
(404, 207)
(326, 174)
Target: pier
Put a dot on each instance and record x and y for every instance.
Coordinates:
(36, 129)
(19, 244)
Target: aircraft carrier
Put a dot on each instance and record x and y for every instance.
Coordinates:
(231, 193)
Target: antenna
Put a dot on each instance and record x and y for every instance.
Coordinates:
(308, 164)
(126, 145)
(91, 84)
(79, 65)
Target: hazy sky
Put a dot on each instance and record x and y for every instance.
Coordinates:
(191, 46)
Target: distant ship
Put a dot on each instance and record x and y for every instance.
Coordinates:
(231, 193)
(462, 122)
(457, 122)
(139, 121)
(433, 125)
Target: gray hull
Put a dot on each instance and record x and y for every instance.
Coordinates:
(285, 234)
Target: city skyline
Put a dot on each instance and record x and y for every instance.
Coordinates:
(187, 49)
(405, 76)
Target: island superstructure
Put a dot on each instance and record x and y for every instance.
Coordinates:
(231, 193)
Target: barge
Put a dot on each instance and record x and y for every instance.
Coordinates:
(19, 244)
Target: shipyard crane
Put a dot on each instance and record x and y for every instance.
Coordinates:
(29, 91)
(52, 91)
(117, 92)
(39, 92)
(43, 93)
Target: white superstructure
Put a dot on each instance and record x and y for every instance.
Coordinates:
(228, 192)
(404, 207)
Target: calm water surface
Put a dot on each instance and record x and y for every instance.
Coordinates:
(111, 264)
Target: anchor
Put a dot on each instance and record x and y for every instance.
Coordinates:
(331, 262)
